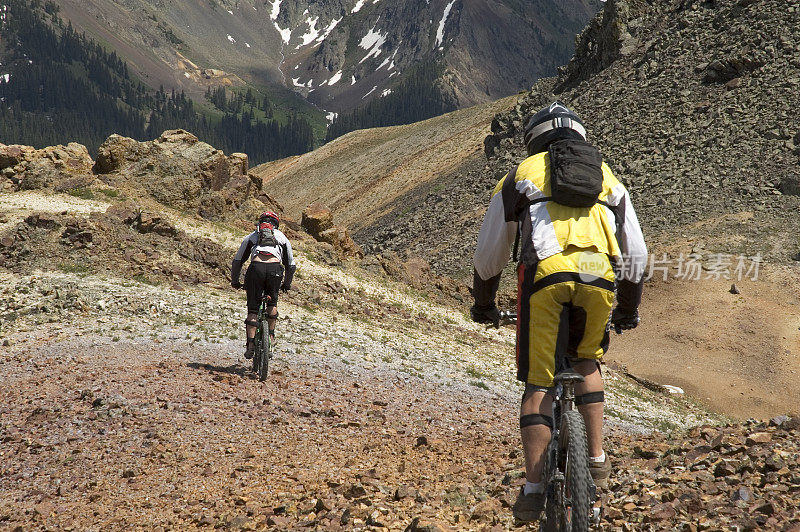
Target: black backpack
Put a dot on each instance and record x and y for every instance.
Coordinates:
(576, 173)
(576, 179)
(266, 235)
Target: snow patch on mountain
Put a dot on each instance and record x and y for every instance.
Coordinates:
(327, 31)
(440, 30)
(231, 39)
(390, 60)
(5, 77)
(370, 92)
(312, 34)
(335, 79)
(372, 42)
(296, 83)
(286, 33)
(276, 10)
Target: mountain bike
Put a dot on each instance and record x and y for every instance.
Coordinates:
(570, 490)
(263, 344)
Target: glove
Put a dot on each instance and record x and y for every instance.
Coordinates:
(285, 288)
(236, 284)
(484, 313)
(623, 319)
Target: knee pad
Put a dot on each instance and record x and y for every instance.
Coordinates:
(251, 323)
(535, 419)
(589, 398)
(532, 388)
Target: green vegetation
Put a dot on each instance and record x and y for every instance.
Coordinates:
(74, 267)
(83, 193)
(110, 192)
(478, 374)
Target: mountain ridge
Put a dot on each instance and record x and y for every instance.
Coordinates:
(338, 53)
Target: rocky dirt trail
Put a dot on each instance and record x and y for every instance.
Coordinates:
(129, 406)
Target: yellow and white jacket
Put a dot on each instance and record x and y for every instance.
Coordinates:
(547, 228)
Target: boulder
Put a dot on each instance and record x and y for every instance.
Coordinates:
(144, 222)
(239, 163)
(790, 185)
(341, 241)
(316, 219)
(114, 152)
(13, 155)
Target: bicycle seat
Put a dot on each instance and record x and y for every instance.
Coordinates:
(568, 375)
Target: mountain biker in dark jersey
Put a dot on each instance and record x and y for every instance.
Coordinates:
(566, 285)
(271, 268)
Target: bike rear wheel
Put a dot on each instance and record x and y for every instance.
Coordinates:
(263, 353)
(578, 483)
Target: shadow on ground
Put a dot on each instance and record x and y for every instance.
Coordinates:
(235, 369)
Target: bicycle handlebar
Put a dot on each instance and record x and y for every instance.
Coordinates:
(506, 317)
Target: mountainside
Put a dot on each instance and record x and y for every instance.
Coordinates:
(361, 175)
(709, 171)
(488, 49)
(338, 53)
(695, 112)
(691, 103)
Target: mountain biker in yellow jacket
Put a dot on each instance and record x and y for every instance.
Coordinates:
(566, 285)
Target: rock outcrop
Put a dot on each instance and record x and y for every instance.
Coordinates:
(180, 171)
(125, 240)
(693, 105)
(176, 170)
(318, 222)
(60, 167)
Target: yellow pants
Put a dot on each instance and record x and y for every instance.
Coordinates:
(564, 305)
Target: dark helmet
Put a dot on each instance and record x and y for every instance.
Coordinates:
(269, 217)
(553, 122)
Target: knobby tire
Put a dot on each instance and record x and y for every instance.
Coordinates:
(574, 449)
(574, 516)
(263, 353)
(255, 354)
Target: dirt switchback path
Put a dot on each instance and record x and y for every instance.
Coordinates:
(737, 353)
